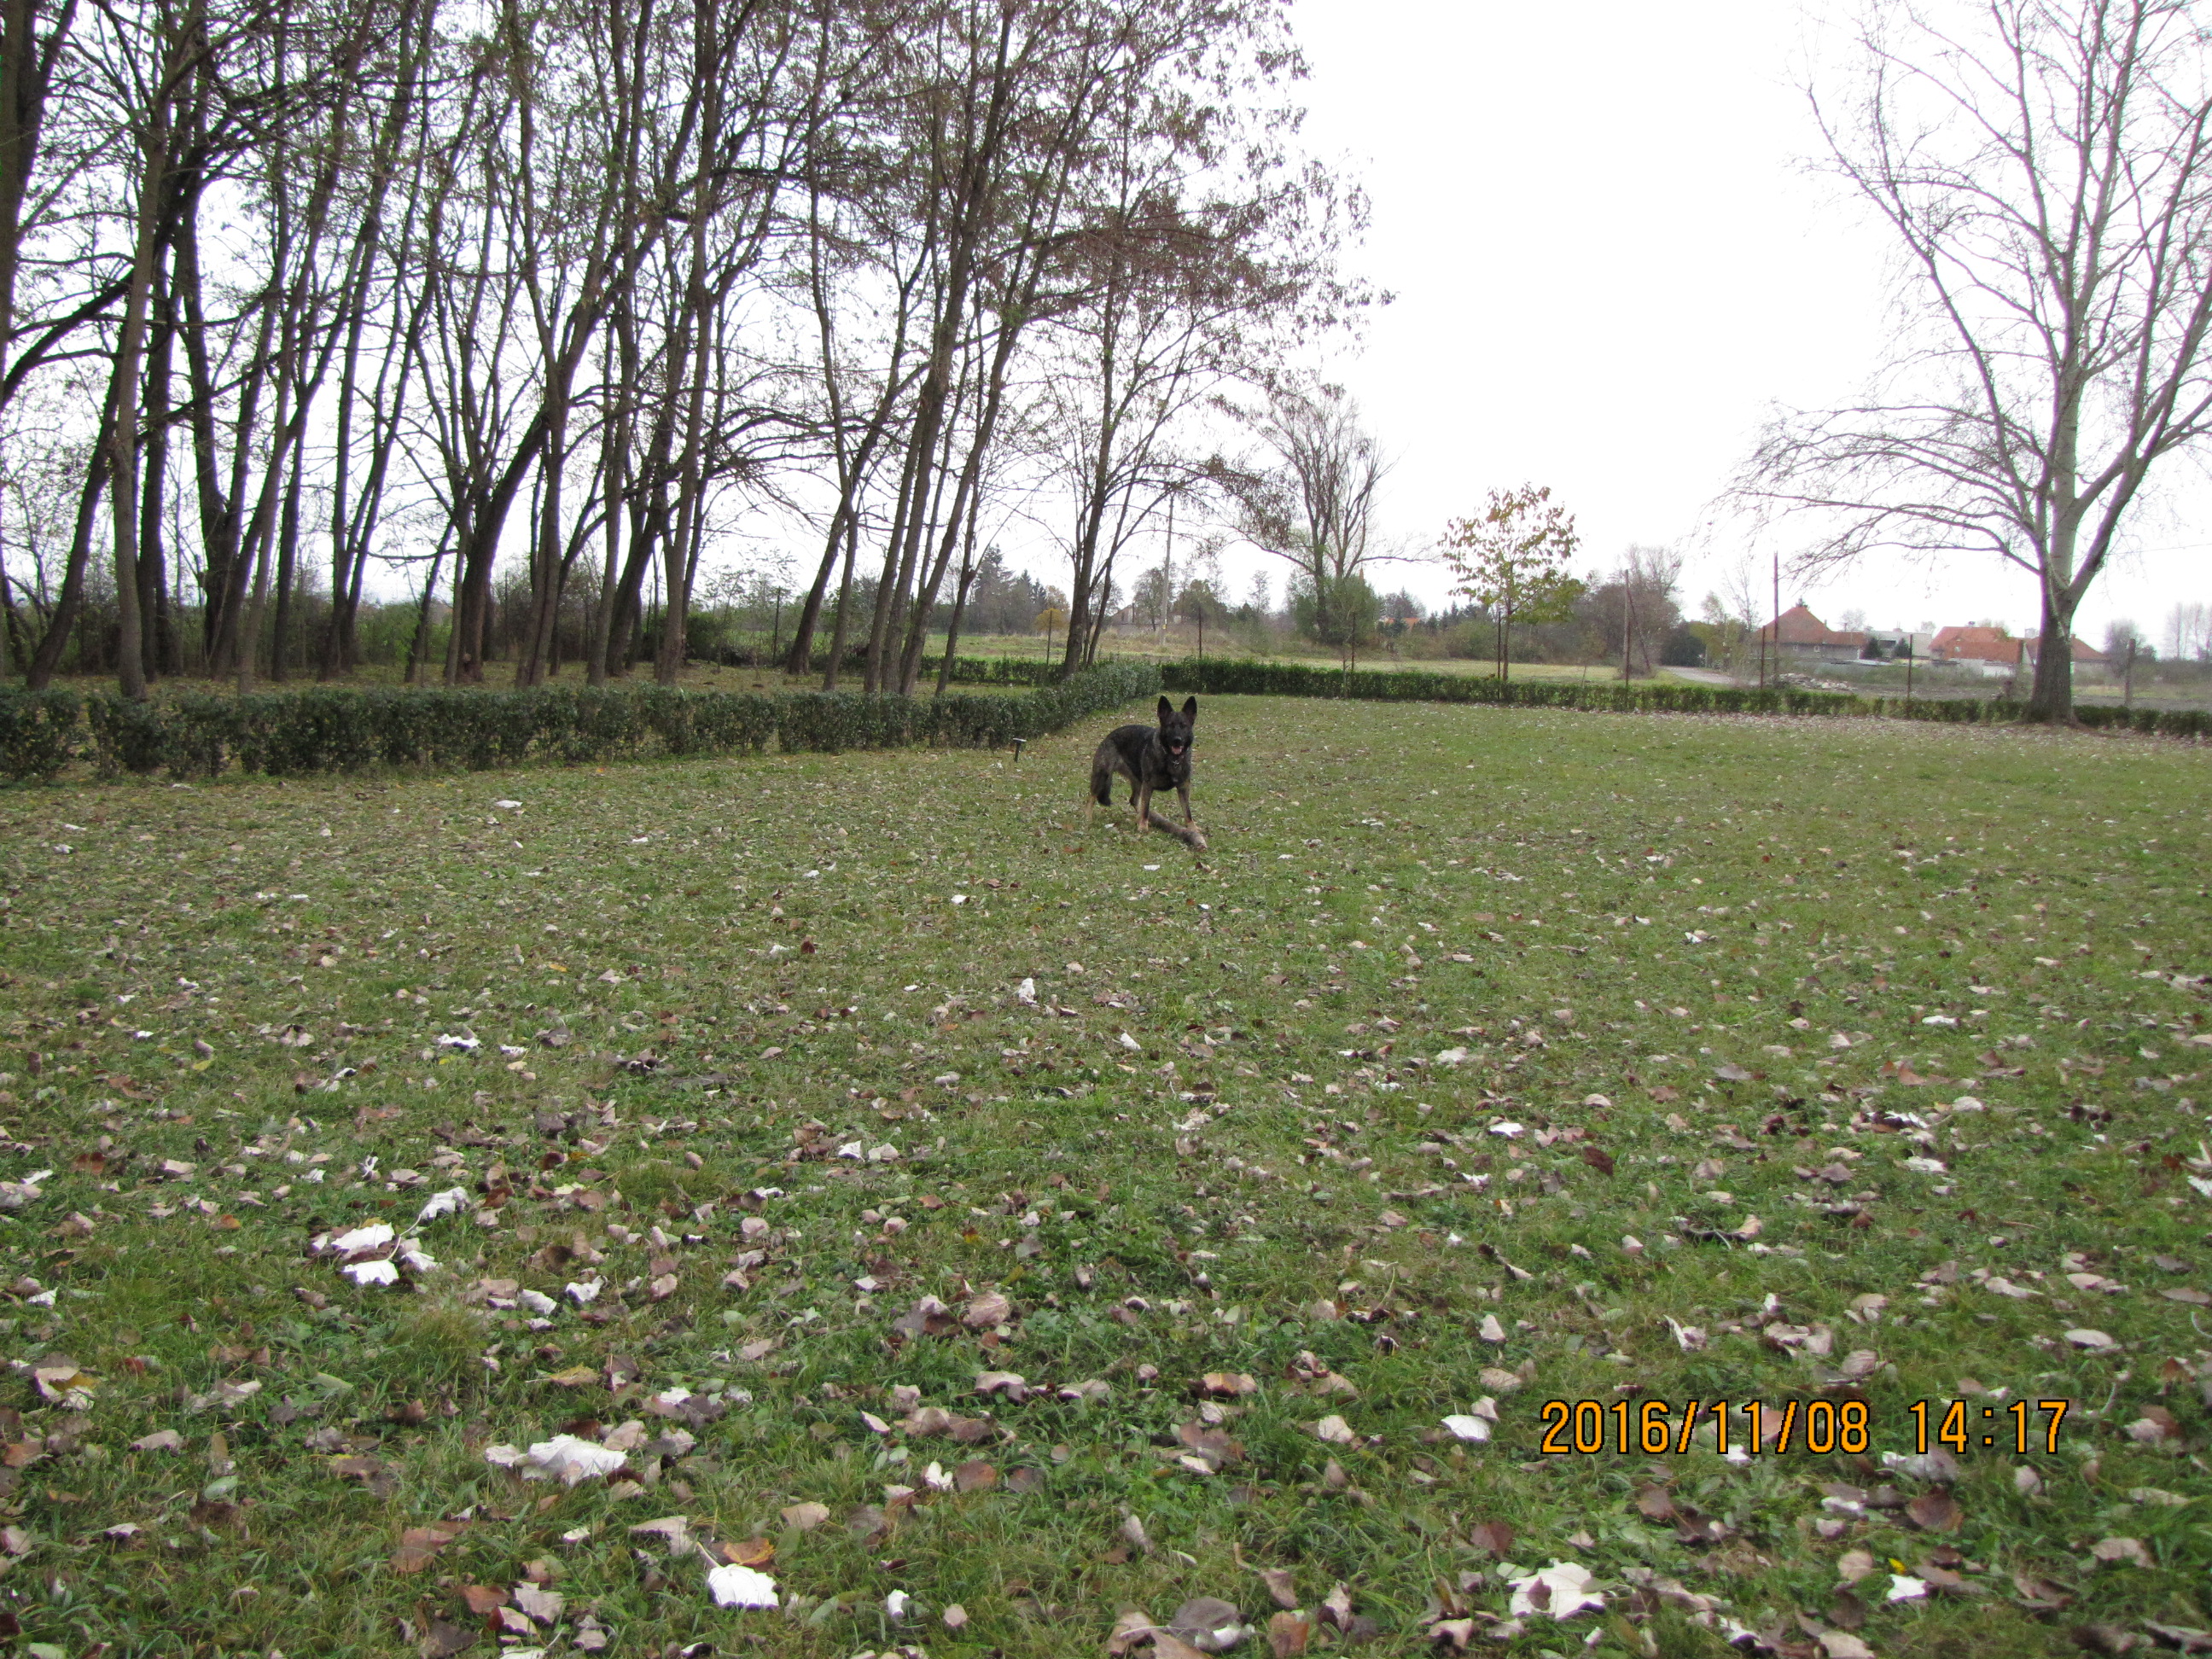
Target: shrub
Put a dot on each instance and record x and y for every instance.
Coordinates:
(328, 729)
(37, 732)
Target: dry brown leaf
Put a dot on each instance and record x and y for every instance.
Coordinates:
(1131, 1627)
(480, 1599)
(1493, 1537)
(1201, 1620)
(754, 1552)
(1655, 1503)
(985, 1309)
(1280, 1586)
(1934, 1510)
(444, 1638)
(1288, 1634)
(974, 1476)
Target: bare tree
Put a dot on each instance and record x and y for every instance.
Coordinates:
(2189, 631)
(1309, 499)
(2044, 168)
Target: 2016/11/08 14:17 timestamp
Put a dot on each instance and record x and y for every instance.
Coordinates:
(1656, 1426)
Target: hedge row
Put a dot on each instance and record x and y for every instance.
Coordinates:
(1222, 677)
(329, 729)
(995, 670)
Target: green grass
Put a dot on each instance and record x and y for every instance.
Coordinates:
(1646, 933)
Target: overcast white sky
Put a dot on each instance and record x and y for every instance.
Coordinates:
(1609, 263)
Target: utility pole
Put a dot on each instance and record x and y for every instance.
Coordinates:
(2127, 676)
(1627, 616)
(1778, 614)
(1167, 578)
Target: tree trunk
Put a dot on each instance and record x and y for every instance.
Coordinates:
(418, 648)
(960, 593)
(26, 69)
(838, 627)
(124, 420)
(2050, 699)
(47, 659)
(160, 640)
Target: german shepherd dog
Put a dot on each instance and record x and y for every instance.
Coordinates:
(1151, 757)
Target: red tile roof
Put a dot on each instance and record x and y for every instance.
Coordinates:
(2083, 652)
(1799, 626)
(1975, 645)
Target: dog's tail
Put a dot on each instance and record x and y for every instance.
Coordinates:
(1101, 775)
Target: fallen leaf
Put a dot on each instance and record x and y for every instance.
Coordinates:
(733, 1586)
(1493, 1537)
(1934, 1510)
(564, 1455)
(985, 1309)
(1208, 1623)
(1559, 1591)
(975, 1476)
(541, 1604)
(804, 1517)
(444, 1638)
(1334, 1429)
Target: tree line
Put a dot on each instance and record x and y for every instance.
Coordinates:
(538, 303)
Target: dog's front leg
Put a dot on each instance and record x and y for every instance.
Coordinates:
(1143, 806)
(1188, 816)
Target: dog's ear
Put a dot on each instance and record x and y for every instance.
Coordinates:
(1166, 709)
(1190, 708)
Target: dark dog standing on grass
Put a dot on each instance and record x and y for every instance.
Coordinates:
(1151, 757)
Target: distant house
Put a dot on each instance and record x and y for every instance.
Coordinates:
(1990, 652)
(1800, 639)
(1997, 654)
(2088, 661)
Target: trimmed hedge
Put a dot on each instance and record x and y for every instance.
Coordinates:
(995, 670)
(1222, 677)
(327, 729)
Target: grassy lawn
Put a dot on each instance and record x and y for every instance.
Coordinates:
(789, 1105)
